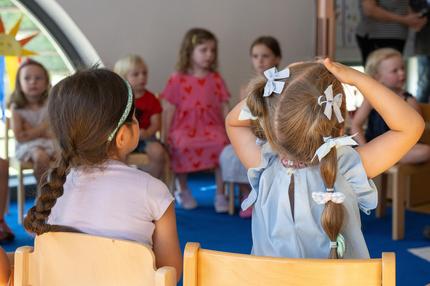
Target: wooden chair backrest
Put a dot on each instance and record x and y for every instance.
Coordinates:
(7, 130)
(61, 258)
(425, 109)
(210, 268)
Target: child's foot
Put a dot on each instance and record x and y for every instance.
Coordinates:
(220, 203)
(185, 199)
(246, 213)
(426, 232)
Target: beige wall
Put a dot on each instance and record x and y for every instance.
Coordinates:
(154, 29)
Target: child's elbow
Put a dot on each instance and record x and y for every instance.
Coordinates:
(421, 126)
(417, 128)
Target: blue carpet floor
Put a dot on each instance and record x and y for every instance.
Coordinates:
(233, 234)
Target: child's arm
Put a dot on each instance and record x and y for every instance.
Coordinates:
(165, 242)
(154, 126)
(242, 138)
(168, 112)
(373, 10)
(358, 121)
(23, 131)
(406, 125)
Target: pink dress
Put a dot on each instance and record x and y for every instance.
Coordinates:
(197, 133)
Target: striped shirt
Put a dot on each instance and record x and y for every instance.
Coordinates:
(375, 29)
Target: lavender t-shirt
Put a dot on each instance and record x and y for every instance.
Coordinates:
(113, 201)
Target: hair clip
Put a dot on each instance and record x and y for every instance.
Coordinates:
(331, 103)
(272, 85)
(194, 40)
(329, 143)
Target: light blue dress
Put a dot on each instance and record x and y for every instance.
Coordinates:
(275, 233)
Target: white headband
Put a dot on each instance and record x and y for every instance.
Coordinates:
(331, 104)
(273, 86)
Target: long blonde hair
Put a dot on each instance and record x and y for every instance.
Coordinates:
(294, 124)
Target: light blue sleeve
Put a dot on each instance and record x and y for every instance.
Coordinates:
(351, 167)
(254, 175)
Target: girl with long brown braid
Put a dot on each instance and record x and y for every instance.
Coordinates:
(307, 183)
(92, 190)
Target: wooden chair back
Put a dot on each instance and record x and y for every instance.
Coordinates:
(425, 109)
(409, 184)
(61, 258)
(210, 268)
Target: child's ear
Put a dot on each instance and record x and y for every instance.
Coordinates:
(121, 137)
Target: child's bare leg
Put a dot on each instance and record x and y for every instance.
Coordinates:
(218, 180)
(183, 194)
(5, 232)
(40, 161)
(420, 153)
(182, 180)
(244, 189)
(4, 186)
(156, 154)
(220, 202)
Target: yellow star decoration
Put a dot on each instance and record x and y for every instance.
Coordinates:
(9, 46)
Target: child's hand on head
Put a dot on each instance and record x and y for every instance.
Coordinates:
(343, 73)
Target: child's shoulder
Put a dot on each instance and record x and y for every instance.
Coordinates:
(344, 152)
(350, 166)
(347, 155)
(120, 174)
(215, 75)
(148, 93)
(117, 171)
(176, 76)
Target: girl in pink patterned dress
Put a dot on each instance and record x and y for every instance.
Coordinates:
(195, 100)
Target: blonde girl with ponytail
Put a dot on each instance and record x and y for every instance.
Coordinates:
(308, 183)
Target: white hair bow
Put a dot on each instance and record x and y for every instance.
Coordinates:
(331, 103)
(246, 114)
(272, 85)
(323, 197)
(325, 148)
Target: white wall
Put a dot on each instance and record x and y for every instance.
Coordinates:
(154, 29)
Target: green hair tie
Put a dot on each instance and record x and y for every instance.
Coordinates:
(341, 247)
(125, 114)
(339, 244)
